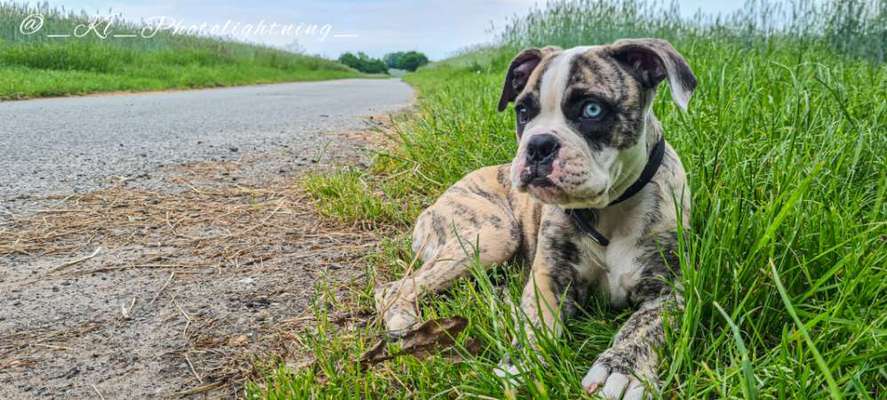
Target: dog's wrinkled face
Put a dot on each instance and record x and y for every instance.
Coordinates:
(582, 116)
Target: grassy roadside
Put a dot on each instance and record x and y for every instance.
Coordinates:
(785, 145)
(37, 66)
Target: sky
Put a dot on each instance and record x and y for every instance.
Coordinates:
(331, 27)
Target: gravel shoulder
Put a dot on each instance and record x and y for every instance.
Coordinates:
(170, 275)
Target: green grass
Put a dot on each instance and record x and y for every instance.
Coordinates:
(36, 65)
(347, 196)
(786, 264)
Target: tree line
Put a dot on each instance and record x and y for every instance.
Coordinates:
(406, 60)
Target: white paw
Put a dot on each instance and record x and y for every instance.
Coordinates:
(400, 322)
(508, 371)
(614, 385)
(399, 315)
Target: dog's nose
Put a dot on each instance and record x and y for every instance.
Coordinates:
(542, 149)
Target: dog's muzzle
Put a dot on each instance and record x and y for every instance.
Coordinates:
(542, 150)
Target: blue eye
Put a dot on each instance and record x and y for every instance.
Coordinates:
(592, 110)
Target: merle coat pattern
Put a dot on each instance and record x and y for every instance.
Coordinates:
(585, 128)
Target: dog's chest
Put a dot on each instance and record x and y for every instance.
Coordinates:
(613, 270)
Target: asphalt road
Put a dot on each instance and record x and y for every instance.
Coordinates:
(76, 144)
(145, 308)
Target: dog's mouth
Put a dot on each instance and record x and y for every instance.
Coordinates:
(540, 182)
(546, 190)
(530, 180)
(545, 182)
(537, 175)
(542, 188)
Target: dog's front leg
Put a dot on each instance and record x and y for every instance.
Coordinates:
(623, 370)
(553, 291)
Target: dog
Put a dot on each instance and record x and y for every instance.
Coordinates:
(594, 199)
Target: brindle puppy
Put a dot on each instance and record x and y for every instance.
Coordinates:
(593, 198)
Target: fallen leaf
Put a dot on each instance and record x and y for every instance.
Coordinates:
(432, 336)
(472, 346)
(375, 355)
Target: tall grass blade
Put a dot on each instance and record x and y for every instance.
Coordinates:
(834, 391)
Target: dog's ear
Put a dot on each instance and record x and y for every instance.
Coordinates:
(518, 74)
(651, 61)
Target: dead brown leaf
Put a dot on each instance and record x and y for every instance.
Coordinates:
(434, 336)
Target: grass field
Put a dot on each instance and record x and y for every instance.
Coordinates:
(785, 144)
(36, 65)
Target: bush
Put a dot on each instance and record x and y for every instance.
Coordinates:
(364, 63)
(409, 60)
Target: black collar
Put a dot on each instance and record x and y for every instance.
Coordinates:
(585, 218)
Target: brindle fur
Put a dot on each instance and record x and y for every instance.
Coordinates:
(496, 209)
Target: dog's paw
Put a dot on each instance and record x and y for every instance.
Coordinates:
(621, 374)
(514, 371)
(508, 371)
(399, 315)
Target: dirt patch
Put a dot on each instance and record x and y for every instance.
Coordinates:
(169, 288)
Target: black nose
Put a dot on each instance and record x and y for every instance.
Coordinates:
(542, 149)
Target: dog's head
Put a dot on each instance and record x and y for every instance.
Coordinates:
(583, 114)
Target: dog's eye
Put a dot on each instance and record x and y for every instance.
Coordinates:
(592, 110)
(523, 116)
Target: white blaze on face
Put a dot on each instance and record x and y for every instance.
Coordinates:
(550, 119)
(551, 93)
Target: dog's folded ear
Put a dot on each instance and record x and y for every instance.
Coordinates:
(653, 60)
(519, 73)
